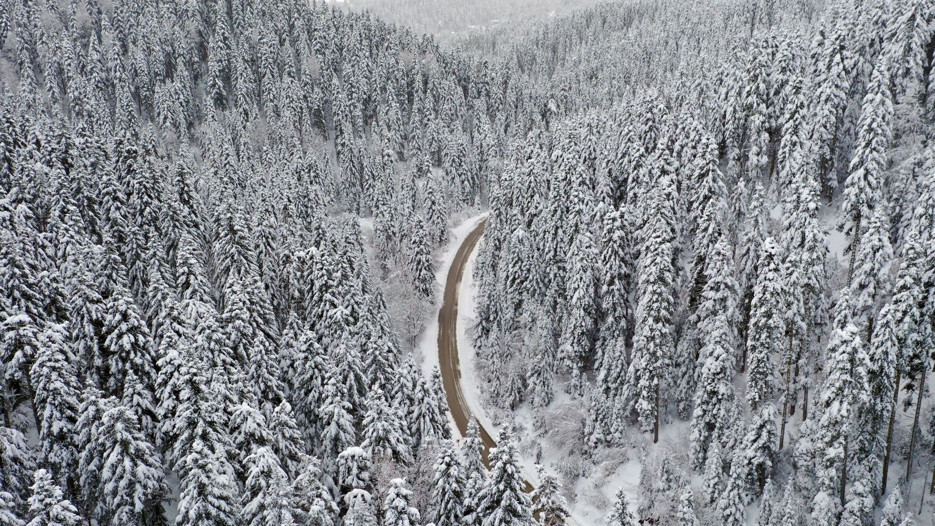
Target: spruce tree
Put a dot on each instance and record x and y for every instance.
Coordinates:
(384, 431)
(448, 488)
(396, 508)
(686, 512)
(266, 493)
(579, 330)
(548, 503)
(56, 401)
(208, 491)
(48, 505)
(652, 341)
(764, 338)
(621, 515)
(502, 501)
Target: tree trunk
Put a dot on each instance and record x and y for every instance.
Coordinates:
(805, 403)
(844, 471)
(915, 421)
(854, 241)
(785, 397)
(889, 434)
(656, 423)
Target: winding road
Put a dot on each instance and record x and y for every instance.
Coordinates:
(448, 348)
(448, 343)
(448, 339)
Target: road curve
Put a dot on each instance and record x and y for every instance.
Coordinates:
(448, 339)
(448, 343)
(448, 348)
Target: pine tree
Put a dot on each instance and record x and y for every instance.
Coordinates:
(764, 339)
(548, 503)
(266, 499)
(768, 508)
(248, 431)
(312, 500)
(57, 403)
(384, 430)
(396, 508)
(208, 492)
(686, 512)
(893, 509)
(713, 415)
(870, 275)
(475, 472)
(448, 488)
(8, 515)
(579, 330)
(731, 504)
(420, 264)
(132, 480)
(758, 449)
(426, 418)
(862, 187)
(652, 342)
(621, 515)
(859, 501)
(845, 384)
(287, 441)
(48, 505)
(337, 425)
(713, 473)
(502, 501)
(360, 510)
(354, 466)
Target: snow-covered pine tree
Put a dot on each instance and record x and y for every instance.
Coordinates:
(396, 508)
(208, 488)
(549, 505)
(287, 441)
(312, 501)
(266, 492)
(337, 425)
(870, 275)
(577, 341)
(354, 466)
(731, 506)
(621, 515)
(714, 399)
(360, 511)
(48, 505)
(862, 189)
(686, 512)
(8, 516)
(426, 418)
(56, 403)
(448, 488)
(384, 430)
(475, 472)
(132, 481)
(615, 310)
(713, 473)
(502, 501)
(420, 265)
(248, 431)
(765, 332)
(893, 509)
(652, 341)
(845, 385)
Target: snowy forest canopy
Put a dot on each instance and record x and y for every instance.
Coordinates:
(221, 221)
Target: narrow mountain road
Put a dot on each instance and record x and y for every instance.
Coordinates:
(448, 339)
(448, 347)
